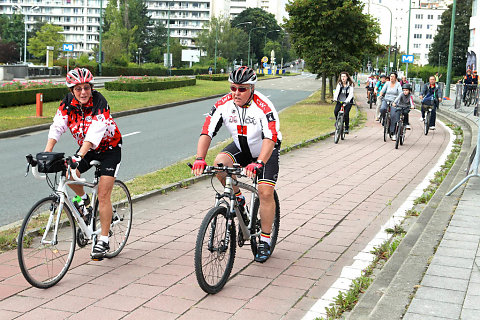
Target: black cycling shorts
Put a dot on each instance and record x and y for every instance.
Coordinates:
(110, 160)
(270, 172)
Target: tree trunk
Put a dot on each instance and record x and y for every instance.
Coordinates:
(330, 82)
(324, 86)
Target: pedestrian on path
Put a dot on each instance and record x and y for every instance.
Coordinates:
(431, 95)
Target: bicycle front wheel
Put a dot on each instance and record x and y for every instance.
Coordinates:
(398, 132)
(257, 225)
(426, 124)
(121, 220)
(45, 261)
(386, 127)
(338, 128)
(215, 250)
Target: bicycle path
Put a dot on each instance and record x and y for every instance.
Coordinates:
(334, 200)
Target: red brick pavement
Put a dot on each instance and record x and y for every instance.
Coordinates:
(334, 198)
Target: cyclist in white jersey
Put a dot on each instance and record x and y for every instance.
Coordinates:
(252, 120)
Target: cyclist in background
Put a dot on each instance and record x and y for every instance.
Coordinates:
(467, 80)
(475, 77)
(390, 91)
(253, 122)
(431, 95)
(404, 101)
(86, 113)
(344, 95)
(378, 87)
(370, 85)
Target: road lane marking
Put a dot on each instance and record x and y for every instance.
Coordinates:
(130, 134)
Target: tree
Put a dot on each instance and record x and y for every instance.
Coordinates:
(461, 40)
(332, 35)
(259, 18)
(231, 41)
(8, 52)
(155, 42)
(49, 35)
(176, 51)
(12, 30)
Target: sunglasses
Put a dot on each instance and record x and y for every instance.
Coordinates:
(79, 89)
(240, 89)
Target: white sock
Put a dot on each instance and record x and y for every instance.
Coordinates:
(104, 239)
(85, 196)
(265, 238)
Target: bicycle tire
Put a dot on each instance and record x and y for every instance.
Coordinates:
(209, 255)
(398, 130)
(426, 123)
(404, 132)
(121, 226)
(256, 225)
(371, 103)
(386, 127)
(338, 125)
(44, 265)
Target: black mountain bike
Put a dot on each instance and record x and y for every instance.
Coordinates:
(471, 95)
(428, 116)
(218, 237)
(400, 128)
(386, 122)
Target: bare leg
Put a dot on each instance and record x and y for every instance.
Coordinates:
(226, 161)
(105, 187)
(267, 206)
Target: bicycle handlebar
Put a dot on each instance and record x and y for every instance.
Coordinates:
(33, 163)
(73, 171)
(220, 167)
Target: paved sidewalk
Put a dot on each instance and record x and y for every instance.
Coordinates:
(334, 199)
(450, 288)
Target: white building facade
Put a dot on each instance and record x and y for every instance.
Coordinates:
(425, 19)
(232, 8)
(473, 58)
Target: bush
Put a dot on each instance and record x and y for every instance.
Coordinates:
(212, 77)
(156, 70)
(148, 84)
(28, 96)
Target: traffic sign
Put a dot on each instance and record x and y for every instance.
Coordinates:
(264, 64)
(407, 58)
(68, 47)
(265, 59)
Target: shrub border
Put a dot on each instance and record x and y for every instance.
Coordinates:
(28, 96)
(142, 86)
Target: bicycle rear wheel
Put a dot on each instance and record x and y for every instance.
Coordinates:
(257, 227)
(386, 127)
(215, 250)
(338, 124)
(44, 264)
(121, 220)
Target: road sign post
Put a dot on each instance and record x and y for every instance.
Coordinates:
(68, 48)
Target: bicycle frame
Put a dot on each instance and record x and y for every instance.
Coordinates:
(64, 198)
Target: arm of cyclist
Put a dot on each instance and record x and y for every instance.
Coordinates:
(350, 96)
(265, 153)
(337, 92)
(58, 127)
(397, 99)
(384, 89)
(202, 149)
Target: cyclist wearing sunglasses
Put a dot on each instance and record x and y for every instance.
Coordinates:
(253, 123)
(86, 113)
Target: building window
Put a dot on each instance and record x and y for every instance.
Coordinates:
(419, 16)
(428, 36)
(418, 26)
(430, 17)
(417, 36)
(428, 45)
(439, 17)
(416, 45)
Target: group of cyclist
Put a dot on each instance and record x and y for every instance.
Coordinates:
(470, 82)
(248, 115)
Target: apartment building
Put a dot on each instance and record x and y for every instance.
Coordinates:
(424, 21)
(232, 8)
(473, 54)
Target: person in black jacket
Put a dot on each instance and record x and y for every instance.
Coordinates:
(431, 96)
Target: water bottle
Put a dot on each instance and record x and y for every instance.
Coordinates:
(78, 203)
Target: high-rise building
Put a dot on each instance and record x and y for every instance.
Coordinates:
(80, 18)
(474, 44)
(425, 19)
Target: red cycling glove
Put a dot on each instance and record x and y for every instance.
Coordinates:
(199, 163)
(255, 166)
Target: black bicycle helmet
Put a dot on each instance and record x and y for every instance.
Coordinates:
(243, 75)
(407, 86)
(383, 76)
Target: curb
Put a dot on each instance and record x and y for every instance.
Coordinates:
(22, 131)
(390, 293)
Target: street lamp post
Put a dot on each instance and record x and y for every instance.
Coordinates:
(265, 43)
(168, 40)
(100, 41)
(25, 35)
(450, 51)
(408, 34)
(216, 44)
(390, 36)
(239, 24)
(249, 37)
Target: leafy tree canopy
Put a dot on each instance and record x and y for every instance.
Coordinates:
(49, 35)
(12, 29)
(461, 37)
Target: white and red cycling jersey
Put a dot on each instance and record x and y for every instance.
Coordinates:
(249, 124)
(92, 122)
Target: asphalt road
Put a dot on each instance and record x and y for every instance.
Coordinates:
(151, 141)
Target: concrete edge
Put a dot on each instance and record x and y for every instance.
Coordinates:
(25, 130)
(390, 293)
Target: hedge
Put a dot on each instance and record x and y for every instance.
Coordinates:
(28, 96)
(138, 71)
(212, 77)
(149, 86)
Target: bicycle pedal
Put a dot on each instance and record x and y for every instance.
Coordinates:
(97, 259)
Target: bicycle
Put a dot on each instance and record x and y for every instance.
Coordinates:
(340, 123)
(400, 128)
(426, 121)
(372, 97)
(47, 237)
(385, 120)
(215, 247)
(470, 95)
